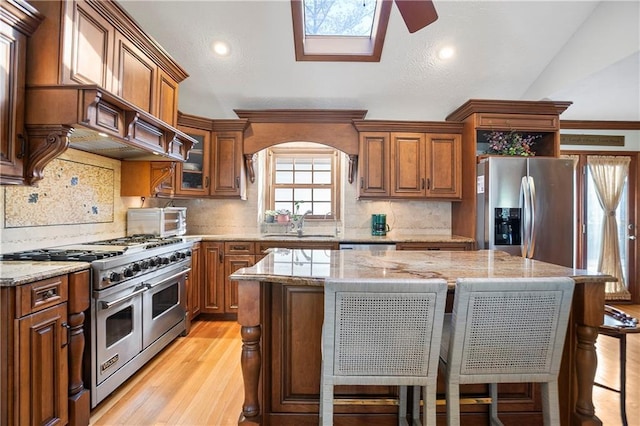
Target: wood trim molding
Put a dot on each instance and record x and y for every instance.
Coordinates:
(507, 107)
(230, 125)
(21, 15)
(599, 125)
(301, 115)
(408, 126)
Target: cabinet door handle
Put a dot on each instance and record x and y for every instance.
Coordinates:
(206, 181)
(237, 182)
(221, 256)
(23, 146)
(428, 183)
(68, 327)
(361, 183)
(422, 183)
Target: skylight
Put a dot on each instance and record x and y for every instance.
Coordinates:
(339, 30)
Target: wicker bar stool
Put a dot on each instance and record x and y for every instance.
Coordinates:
(506, 331)
(382, 332)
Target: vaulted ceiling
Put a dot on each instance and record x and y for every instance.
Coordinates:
(587, 52)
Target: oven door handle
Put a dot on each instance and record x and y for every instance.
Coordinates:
(107, 305)
(184, 271)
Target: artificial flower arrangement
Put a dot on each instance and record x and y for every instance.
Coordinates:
(511, 143)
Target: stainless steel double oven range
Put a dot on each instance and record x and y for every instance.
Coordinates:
(138, 303)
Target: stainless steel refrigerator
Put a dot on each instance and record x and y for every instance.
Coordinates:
(526, 207)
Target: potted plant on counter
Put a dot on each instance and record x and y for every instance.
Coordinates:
(283, 216)
(270, 216)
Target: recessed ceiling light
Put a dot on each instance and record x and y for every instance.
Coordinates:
(221, 48)
(446, 52)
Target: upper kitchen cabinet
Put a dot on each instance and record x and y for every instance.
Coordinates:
(96, 82)
(215, 168)
(18, 20)
(96, 42)
(540, 118)
(417, 160)
(480, 117)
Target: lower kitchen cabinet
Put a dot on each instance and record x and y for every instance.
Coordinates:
(194, 283)
(34, 353)
(212, 285)
(219, 293)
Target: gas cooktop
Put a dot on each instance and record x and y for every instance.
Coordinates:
(59, 254)
(98, 250)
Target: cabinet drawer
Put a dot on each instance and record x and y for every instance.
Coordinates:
(522, 122)
(239, 247)
(40, 295)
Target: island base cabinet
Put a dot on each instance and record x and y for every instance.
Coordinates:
(291, 373)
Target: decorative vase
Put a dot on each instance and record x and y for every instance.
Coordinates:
(269, 218)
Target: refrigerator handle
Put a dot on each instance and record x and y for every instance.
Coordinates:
(524, 223)
(532, 226)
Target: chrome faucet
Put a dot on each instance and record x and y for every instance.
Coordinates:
(299, 222)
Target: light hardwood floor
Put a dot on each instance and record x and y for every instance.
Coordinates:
(197, 381)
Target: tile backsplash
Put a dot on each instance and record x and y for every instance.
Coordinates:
(87, 191)
(78, 201)
(204, 216)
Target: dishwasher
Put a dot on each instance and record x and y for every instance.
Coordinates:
(368, 246)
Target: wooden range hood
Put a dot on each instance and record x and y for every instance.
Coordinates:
(91, 119)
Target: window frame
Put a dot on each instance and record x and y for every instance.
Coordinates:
(304, 152)
(351, 49)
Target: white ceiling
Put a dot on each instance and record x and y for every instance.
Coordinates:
(587, 52)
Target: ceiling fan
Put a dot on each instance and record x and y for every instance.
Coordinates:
(417, 14)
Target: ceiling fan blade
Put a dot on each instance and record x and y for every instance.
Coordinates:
(417, 14)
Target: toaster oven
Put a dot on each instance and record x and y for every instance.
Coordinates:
(162, 222)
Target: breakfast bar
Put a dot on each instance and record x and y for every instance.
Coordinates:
(281, 315)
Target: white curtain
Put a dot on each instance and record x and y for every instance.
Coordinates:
(609, 177)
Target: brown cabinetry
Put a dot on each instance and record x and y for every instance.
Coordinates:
(35, 350)
(221, 259)
(215, 166)
(194, 283)
(147, 179)
(212, 278)
(95, 42)
(374, 165)
(18, 20)
(236, 255)
(409, 160)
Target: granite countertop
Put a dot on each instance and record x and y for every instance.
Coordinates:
(18, 272)
(312, 267)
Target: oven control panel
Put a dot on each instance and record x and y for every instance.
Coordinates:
(148, 262)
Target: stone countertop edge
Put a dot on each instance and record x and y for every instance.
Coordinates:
(416, 264)
(18, 272)
(368, 239)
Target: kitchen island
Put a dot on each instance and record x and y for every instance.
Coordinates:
(281, 314)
